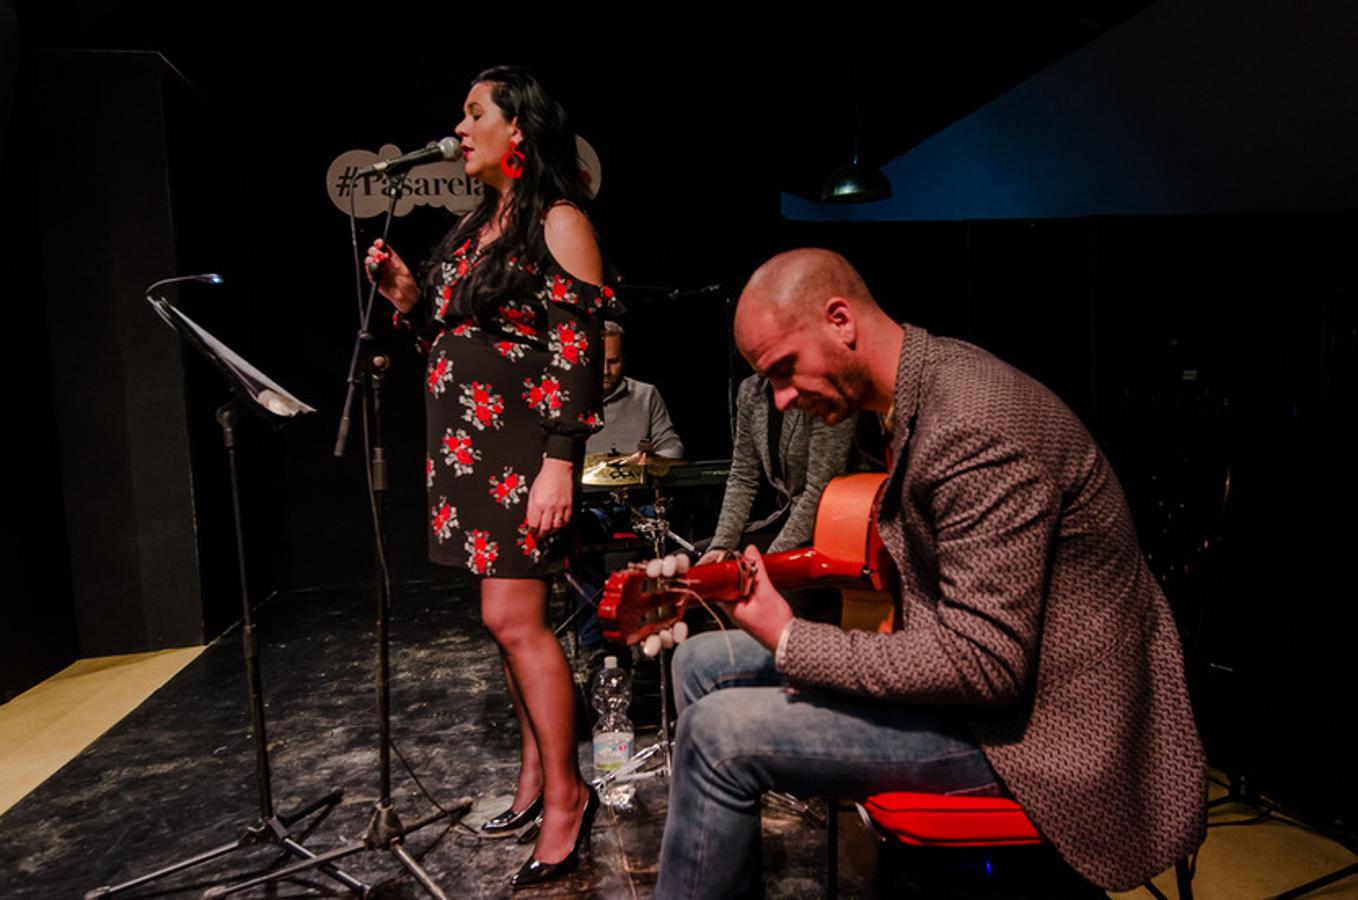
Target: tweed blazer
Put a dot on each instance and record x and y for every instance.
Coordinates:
(1025, 600)
(811, 453)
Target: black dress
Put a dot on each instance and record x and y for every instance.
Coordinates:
(520, 382)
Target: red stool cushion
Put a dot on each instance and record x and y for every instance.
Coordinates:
(953, 821)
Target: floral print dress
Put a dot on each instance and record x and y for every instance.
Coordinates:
(500, 395)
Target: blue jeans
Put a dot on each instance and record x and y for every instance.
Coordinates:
(741, 732)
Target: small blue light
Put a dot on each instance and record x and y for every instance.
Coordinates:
(988, 873)
(213, 278)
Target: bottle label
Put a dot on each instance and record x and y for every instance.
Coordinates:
(611, 750)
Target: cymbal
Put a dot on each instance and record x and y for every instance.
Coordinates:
(628, 469)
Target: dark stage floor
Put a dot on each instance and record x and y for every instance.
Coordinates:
(176, 776)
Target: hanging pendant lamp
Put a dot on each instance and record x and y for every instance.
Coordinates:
(855, 183)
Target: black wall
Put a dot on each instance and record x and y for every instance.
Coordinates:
(39, 636)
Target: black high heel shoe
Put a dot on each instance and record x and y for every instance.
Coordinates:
(509, 820)
(534, 872)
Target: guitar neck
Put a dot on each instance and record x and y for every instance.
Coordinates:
(788, 569)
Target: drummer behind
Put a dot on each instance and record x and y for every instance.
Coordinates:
(633, 410)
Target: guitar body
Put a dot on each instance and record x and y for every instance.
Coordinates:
(846, 551)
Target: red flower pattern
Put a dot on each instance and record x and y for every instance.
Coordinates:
(569, 346)
(529, 544)
(453, 271)
(510, 350)
(483, 407)
(458, 451)
(481, 552)
(529, 332)
(509, 488)
(440, 374)
(559, 290)
(519, 319)
(524, 266)
(444, 520)
(545, 395)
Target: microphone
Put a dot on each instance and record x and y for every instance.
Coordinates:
(448, 148)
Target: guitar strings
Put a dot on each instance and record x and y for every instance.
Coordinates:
(730, 650)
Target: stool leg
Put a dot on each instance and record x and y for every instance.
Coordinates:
(1184, 879)
(831, 850)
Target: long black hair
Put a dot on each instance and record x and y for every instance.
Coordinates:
(551, 175)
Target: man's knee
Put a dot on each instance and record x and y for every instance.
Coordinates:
(695, 666)
(715, 743)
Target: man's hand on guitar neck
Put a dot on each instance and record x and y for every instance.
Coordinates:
(764, 614)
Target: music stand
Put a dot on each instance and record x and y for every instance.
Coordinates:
(252, 392)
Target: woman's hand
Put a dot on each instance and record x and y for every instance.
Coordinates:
(394, 280)
(549, 499)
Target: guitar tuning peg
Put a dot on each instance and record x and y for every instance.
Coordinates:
(653, 568)
(666, 638)
(651, 646)
(680, 632)
(668, 567)
(681, 563)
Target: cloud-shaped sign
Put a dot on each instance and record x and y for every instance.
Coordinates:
(440, 183)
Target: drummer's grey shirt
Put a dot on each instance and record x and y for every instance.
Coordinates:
(634, 412)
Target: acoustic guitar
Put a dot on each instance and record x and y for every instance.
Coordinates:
(846, 551)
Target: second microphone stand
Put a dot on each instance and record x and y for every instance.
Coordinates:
(385, 830)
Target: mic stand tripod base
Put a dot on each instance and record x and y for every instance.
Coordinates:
(384, 833)
(274, 830)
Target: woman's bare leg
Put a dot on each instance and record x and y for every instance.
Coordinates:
(530, 764)
(515, 612)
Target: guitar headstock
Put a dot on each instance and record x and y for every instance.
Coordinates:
(647, 598)
(643, 599)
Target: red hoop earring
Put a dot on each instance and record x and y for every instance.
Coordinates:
(512, 162)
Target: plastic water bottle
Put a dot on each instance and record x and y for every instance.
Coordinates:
(614, 737)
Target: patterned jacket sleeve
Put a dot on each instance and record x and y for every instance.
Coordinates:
(569, 392)
(995, 515)
(743, 482)
(827, 455)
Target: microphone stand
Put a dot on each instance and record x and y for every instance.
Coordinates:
(385, 830)
(270, 826)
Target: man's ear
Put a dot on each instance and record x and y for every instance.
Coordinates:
(839, 317)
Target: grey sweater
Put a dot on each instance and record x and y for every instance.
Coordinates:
(810, 453)
(634, 411)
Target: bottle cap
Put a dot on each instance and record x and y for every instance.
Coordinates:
(610, 662)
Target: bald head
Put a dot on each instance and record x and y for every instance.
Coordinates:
(795, 286)
(807, 316)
